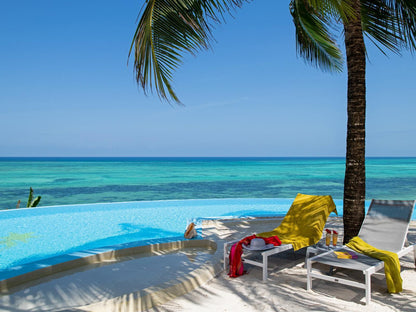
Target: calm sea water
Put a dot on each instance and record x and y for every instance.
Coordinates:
(62, 181)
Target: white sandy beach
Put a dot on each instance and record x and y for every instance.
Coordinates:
(286, 286)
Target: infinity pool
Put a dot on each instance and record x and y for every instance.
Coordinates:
(34, 234)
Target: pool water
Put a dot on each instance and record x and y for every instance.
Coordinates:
(32, 234)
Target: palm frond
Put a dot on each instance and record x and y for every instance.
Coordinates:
(340, 9)
(390, 24)
(166, 30)
(405, 12)
(378, 23)
(313, 39)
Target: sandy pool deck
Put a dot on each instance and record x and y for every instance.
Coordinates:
(285, 289)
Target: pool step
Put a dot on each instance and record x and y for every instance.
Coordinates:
(123, 280)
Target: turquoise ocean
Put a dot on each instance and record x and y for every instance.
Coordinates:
(64, 181)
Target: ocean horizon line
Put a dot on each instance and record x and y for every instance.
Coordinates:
(52, 158)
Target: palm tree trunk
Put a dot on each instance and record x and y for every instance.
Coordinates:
(354, 183)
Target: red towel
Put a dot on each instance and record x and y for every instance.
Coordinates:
(236, 263)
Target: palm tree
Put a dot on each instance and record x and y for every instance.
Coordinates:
(391, 24)
(168, 28)
(354, 180)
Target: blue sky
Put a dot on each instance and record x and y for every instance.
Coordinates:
(66, 89)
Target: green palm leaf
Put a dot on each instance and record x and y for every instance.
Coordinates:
(391, 24)
(380, 25)
(406, 13)
(313, 39)
(169, 28)
(166, 30)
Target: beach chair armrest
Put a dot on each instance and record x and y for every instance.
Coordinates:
(406, 250)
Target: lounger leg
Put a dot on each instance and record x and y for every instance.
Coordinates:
(225, 256)
(367, 288)
(265, 264)
(308, 275)
(414, 253)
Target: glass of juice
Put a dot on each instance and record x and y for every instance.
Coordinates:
(334, 238)
(328, 238)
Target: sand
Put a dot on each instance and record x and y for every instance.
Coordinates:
(285, 289)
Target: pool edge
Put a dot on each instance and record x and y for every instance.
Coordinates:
(9, 284)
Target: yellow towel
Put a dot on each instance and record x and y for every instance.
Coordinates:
(391, 262)
(304, 222)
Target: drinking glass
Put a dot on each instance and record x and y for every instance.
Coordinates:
(334, 238)
(328, 238)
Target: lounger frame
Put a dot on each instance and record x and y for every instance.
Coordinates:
(368, 271)
(265, 256)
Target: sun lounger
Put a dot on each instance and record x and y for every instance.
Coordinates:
(301, 227)
(384, 227)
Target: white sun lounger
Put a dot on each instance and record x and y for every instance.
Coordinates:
(384, 227)
(302, 226)
(265, 255)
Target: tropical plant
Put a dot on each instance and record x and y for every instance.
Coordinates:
(31, 202)
(169, 28)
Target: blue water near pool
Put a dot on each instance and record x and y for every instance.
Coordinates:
(30, 235)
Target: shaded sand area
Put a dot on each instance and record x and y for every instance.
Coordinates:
(285, 289)
(180, 277)
(135, 278)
